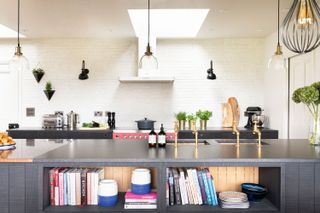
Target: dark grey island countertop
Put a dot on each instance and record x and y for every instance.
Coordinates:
(138, 151)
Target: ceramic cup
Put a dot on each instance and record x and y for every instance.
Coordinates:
(107, 193)
(141, 181)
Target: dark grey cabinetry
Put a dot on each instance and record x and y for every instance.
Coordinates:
(18, 191)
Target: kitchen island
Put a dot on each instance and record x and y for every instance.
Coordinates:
(290, 169)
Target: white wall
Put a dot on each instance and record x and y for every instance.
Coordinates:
(239, 68)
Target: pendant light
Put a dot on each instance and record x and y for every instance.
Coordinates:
(148, 60)
(19, 62)
(301, 27)
(277, 61)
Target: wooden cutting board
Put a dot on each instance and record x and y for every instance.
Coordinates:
(227, 115)
(235, 110)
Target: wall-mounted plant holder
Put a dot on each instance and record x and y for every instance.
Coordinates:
(48, 90)
(38, 74)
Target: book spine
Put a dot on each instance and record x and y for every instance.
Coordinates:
(206, 185)
(61, 189)
(184, 187)
(181, 191)
(171, 197)
(190, 198)
(202, 188)
(137, 206)
(56, 187)
(51, 182)
(83, 188)
(73, 188)
(177, 190)
(214, 190)
(78, 188)
(196, 182)
(192, 187)
(167, 187)
(95, 188)
(89, 188)
(69, 187)
(153, 201)
(214, 201)
(65, 192)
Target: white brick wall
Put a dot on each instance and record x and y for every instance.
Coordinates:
(239, 68)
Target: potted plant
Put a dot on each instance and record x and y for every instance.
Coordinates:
(310, 96)
(38, 73)
(204, 116)
(48, 90)
(181, 118)
(191, 118)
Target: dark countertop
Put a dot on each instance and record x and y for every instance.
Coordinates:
(138, 151)
(210, 133)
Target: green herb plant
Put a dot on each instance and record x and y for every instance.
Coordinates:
(37, 71)
(204, 115)
(191, 117)
(181, 116)
(48, 86)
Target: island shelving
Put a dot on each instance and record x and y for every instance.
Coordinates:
(289, 168)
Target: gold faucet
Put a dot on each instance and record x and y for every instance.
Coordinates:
(176, 130)
(257, 131)
(195, 132)
(236, 131)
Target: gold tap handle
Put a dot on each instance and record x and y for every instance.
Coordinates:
(194, 127)
(176, 129)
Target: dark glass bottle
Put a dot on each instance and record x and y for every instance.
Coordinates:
(162, 137)
(113, 120)
(152, 139)
(109, 120)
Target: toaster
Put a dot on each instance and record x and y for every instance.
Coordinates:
(52, 121)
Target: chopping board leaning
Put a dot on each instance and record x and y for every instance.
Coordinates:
(235, 110)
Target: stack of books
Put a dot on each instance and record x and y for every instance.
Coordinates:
(233, 200)
(190, 186)
(74, 186)
(146, 201)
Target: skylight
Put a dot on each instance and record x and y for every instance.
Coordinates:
(168, 23)
(6, 32)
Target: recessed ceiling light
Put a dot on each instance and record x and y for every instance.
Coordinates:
(6, 32)
(168, 23)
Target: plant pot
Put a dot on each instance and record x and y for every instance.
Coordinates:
(191, 125)
(203, 124)
(49, 93)
(314, 135)
(38, 76)
(182, 125)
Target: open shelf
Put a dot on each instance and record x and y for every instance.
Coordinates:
(263, 206)
(154, 79)
(118, 208)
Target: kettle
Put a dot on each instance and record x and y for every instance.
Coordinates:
(73, 120)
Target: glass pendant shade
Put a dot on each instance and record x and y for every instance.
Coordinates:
(148, 62)
(18, 62)
(301, 27)
(277, 62)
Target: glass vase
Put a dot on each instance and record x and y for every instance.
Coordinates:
(314, 135)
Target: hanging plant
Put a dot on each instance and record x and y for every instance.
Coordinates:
(48, 90)
(38, 73)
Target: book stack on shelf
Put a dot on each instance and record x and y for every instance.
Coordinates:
(74, 186)
(190, 186)
(145, 201)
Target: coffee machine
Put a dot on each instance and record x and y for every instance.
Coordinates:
(252, 112)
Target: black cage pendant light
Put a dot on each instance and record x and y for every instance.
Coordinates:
(19, 62)
(277, 61)
(301, 27)
(148, 60)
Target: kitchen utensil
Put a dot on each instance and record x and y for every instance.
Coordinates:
(227, 115)
(73, 120)
(145, 124)
(235, 110)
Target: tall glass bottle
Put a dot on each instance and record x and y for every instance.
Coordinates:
(162, 137)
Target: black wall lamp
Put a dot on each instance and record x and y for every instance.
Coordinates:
(84, 72)
(211, 75)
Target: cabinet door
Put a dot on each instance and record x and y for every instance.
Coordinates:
(17, 188)
(317, 188)
(300, 188)
(4, 189)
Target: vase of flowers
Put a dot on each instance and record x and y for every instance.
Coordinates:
(310, 96)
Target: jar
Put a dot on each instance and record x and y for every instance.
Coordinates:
(107, 193)
(141, 181)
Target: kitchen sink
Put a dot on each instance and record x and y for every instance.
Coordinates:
(188, 142)
(242, 142)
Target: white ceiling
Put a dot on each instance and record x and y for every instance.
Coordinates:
(109, 18)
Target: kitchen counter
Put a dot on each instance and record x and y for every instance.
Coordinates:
(210, 133)
(65, 133)
(138, 151)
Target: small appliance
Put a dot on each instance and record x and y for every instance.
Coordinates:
(52, 121)
(73, 120)
(250, 113)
